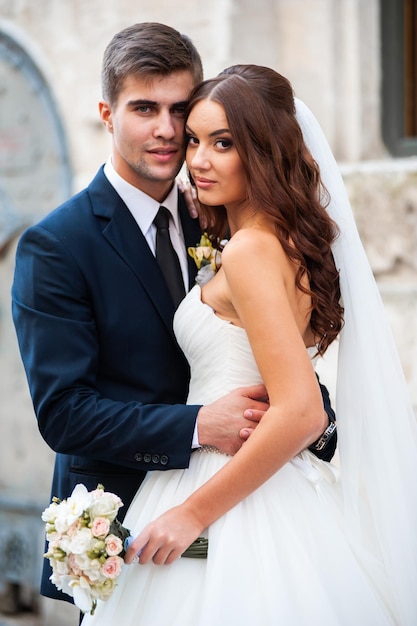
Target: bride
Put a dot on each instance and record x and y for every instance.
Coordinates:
(290, 541)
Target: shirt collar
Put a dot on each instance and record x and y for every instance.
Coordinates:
(143, 207)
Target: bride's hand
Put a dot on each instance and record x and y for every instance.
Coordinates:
(165, 539)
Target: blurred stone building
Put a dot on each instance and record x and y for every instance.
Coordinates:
(354, 62)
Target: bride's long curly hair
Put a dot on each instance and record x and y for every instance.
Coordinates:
(283, 182)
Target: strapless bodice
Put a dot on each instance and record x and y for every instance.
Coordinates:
(218, 352)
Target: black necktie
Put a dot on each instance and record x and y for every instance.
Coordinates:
(167, 257)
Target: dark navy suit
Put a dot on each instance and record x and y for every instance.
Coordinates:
(94, 323)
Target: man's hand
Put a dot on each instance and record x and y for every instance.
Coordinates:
(190, 197)
(229, 421)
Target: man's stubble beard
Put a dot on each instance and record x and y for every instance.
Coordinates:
(147, 172)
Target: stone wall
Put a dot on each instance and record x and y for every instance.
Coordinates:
(330, 51)
(384, 200)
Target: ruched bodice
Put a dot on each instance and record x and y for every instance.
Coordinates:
(219, 353)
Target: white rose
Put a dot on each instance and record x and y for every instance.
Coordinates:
(82, 561)
(105, 506)
(81, 541)
(93, 570)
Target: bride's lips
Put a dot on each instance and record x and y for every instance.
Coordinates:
(203, 183)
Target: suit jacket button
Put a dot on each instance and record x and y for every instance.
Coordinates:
(147, 458)
(155, 458)
(164, 459)
(138, 457)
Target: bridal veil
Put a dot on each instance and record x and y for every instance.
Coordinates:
(377, 427)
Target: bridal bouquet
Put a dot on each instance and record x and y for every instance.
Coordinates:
(85, 545)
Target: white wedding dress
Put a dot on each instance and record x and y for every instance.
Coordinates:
(282, 557)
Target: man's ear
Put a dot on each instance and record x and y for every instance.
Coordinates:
(105, 112)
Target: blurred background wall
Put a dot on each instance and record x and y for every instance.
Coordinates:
(354, 62)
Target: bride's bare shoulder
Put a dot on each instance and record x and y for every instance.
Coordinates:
(253, 242)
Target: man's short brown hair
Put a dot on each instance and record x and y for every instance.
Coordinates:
(147, 49)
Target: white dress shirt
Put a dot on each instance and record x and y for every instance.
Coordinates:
(144, 210)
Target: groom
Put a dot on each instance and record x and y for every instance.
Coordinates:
(91, 304)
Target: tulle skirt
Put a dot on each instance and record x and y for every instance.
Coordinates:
(283, 556)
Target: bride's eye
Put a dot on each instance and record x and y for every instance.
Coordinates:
(191, 140)
(223, 144)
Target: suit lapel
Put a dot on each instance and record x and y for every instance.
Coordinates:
(122, 232)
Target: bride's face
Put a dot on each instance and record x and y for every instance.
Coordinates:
(212, 158)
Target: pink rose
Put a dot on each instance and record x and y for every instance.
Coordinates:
(112, 567)
(73, 565)
(100, 527)
(114, 545)
(74, 528)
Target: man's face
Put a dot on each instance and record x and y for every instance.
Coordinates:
(147, 124)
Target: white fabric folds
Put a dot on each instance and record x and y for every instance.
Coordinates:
(377, 426)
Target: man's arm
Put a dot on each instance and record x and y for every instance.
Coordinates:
(58, 336)
(325, 446)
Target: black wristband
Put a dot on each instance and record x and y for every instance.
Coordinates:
(325, 446)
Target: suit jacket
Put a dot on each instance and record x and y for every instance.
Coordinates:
(94, 323)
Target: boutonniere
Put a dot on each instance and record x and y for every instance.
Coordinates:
(207, 258)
